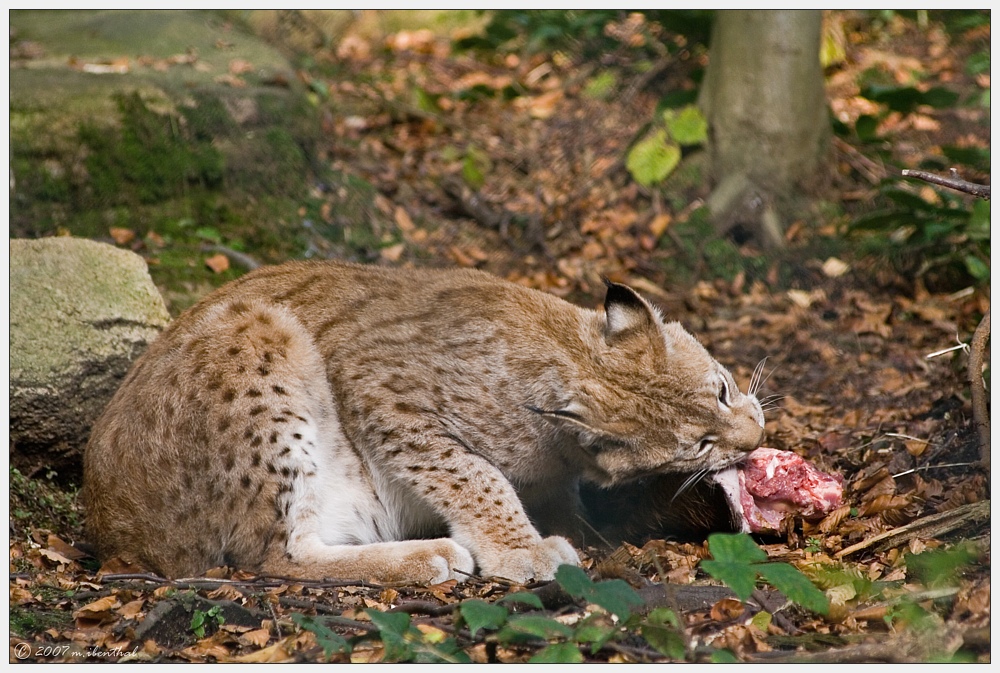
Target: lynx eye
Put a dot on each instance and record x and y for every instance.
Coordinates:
(724, 393)
(706, 444)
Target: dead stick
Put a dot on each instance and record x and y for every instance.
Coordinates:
(980, 414)
(952, 182)
(927, 527)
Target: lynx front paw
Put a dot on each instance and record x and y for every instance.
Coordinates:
(539, 561)
(437, 561)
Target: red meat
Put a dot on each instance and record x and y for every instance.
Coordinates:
(772, 485)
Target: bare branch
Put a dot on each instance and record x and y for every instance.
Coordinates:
(951, 182)
(980, 414)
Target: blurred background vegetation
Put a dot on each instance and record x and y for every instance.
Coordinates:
(582, 135)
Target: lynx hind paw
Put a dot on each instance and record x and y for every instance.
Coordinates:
(539, 561)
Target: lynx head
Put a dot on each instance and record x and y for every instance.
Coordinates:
(651, 399)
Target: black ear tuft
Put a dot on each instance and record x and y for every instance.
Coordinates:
(625, 311)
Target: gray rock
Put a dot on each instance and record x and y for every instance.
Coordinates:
(80, 313)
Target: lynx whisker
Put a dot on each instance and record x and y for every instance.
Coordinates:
(689, 482)
(755, 381)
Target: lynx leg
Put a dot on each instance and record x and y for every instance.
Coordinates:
(420, 561)
(309, 508)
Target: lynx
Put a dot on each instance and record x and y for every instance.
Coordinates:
(319, 419)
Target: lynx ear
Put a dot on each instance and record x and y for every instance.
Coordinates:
(626, 313)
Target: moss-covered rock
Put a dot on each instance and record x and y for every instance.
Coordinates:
(80, 313)
(179, 126)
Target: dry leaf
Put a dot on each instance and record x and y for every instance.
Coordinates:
(132, 608)
(834, 268)
(225, 592)
(461, 258)
(20, 596)
(544, 106)
(392, 253)
(256, 638)
(121, 236)
(69, 551)
(885, 502)
(834, 518)
(403, 220)
(727, 610)
(279, 652)
(217, 263)
(100, 611)
(238, 66)
(231, 80)
(218, 572)
(659, 224)
(54, 556)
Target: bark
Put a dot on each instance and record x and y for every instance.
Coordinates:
(980, 411)
(768, 125)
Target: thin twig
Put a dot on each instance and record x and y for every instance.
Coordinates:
(237, 257)
(951, 182)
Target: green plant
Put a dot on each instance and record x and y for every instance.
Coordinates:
(329, 640)
(738, 563)
(404, 642)
(656, 155)
(941, 240)
(200, 619)
(41, 502)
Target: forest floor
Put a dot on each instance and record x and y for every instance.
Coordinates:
(532, 187)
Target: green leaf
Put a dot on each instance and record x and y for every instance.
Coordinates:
(653, 158)
(942, 567)
(939, 97)
(326, 638)
(198, 623)
(976, 267)
(978, 227)
(479, 614)
(977, 157)
(392, 627)
(740, 577)
(677, 98)
(600, 86)
(762, 620)
(560, 653)
(732, 556)
(724, 657)
(523, 597)
(866, 127)
(662, 630)
(615, 596)
(475, 166)
(906, 199)
(687, 126)
(574, 580)
(209, 234)
(524, 628)
(425, 101)
(906, 98)
(900, 98)
(790, 581)
(734, 548)
(595, 630)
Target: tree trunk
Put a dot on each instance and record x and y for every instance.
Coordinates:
(768, 125)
